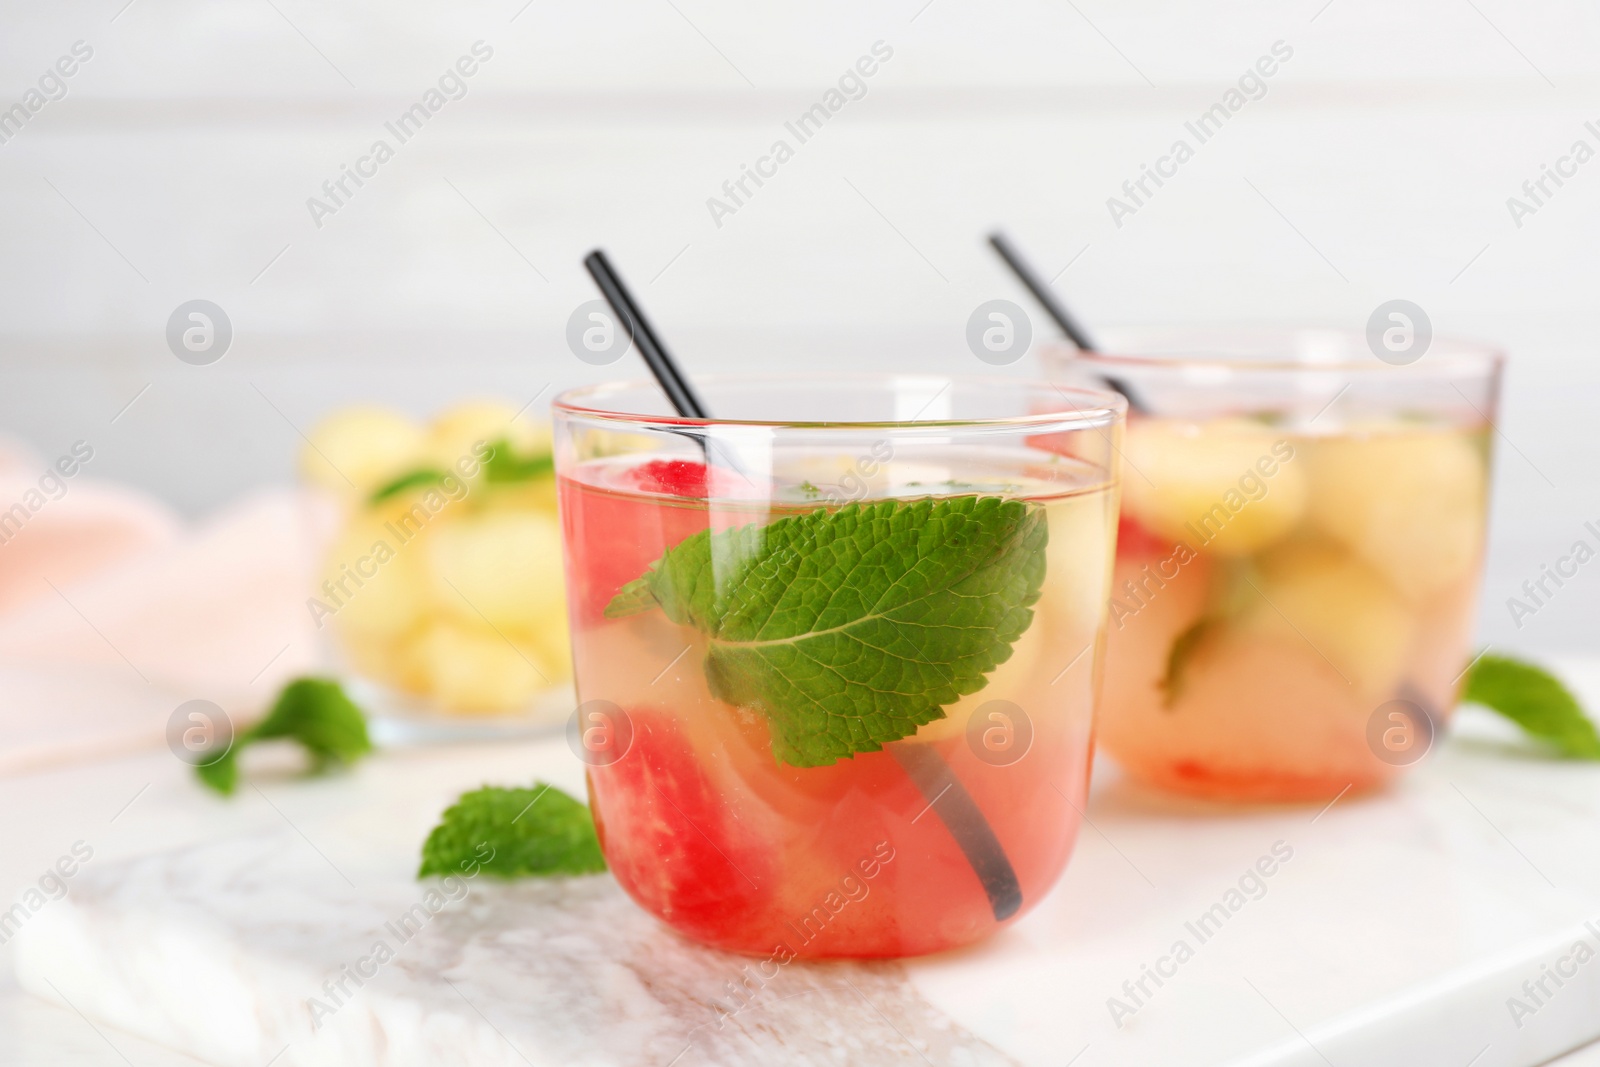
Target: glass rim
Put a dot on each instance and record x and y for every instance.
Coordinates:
(1090, 408)
(1457, 356)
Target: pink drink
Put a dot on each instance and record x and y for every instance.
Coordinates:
(1291, 640)
(706, 827)
(1301, 545)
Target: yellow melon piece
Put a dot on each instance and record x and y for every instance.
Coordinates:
(375, 583)
(357, 449)
(1203, 483)
(1340, 607)
(388, 660)
(503, 566)
(1262, 717)
(456, 432)
(1410, 503)
(473, 669)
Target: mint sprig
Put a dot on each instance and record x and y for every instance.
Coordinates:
(849, 629)
(424, 476)
(1184, 646)
(1232, 591)
(1535, 700)
(511, 833)
(505, 465)
(312, 711)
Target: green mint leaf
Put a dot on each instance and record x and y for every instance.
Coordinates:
(849, 629)
(511, 833)
(312, 711)
(631, 599)
(424, 476)
(1183, 649)
(1535, 700)
(221, 774)
(316, 713)
(1233, 590)
(505, 464)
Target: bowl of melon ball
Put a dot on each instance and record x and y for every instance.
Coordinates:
(442, 592)
(1298, 559)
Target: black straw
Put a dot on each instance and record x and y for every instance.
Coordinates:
(964, 819)
(1058, 311)
(656, 356)
(923, 764)
(1041, 292)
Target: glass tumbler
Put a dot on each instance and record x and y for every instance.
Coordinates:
(837, 650)
(1298, 559)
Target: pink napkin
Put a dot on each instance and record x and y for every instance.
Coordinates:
(113, 612)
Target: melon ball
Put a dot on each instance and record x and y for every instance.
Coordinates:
(457, 431)
(357, 449)
(1340, 607)
(373, 582)
(1207, 484)
(390, 661)
(503, 566)
(473, 669)
(1410, 503)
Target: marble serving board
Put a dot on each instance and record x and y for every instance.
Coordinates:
(237, 952)
(1399, 929)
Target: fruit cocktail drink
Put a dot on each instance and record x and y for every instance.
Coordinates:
(1298, 560)
(837, 677)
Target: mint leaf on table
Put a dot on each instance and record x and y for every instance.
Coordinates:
(849, 629)
(510, 833)
(505, 464)
(313, 711)
(1535, 700)
(222, 774)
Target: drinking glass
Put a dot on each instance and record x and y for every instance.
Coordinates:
(1298, 559)
(837, 650)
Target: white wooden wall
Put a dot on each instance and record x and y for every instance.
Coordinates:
(1377, 165)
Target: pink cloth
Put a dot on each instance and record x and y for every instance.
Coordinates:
(113, 612)
(91, 528)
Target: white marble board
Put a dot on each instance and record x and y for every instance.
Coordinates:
(1397, 932)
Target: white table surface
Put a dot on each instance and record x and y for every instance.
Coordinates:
(1480, 853)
